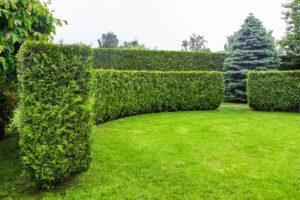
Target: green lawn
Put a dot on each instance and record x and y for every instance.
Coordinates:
(230, 153)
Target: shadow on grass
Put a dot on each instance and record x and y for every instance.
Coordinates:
(12, 184)
(10, 167)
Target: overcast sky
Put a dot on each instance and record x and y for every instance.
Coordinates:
(163, 23)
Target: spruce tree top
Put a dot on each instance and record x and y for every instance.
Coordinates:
(252, 48)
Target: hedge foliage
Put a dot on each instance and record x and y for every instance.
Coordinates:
(118, 94)
(54, 111)
(274, 91)
(127, 59)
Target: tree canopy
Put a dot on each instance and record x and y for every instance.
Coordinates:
(21, 20)
(195, 43)
(291, 42)
(108, 40)
(133, 45)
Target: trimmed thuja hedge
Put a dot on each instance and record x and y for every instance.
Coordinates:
(274, 91)
(54, 111)
(125, 59)
(118, 94)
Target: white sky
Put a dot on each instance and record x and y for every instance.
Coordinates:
(163, 23)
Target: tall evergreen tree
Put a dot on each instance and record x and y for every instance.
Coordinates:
(252, 49)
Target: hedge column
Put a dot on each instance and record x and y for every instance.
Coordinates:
(55, 111)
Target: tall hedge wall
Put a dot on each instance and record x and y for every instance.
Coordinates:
(54, 110)
(123, 93)
(124, 59)
(274, 91)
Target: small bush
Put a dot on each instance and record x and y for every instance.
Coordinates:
(125, 59)
(123, 93)
(55, 120)
(274, 91)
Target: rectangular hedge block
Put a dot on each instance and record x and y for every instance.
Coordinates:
(54, 110)
(118, 94)
(125, 59)
(274, 91)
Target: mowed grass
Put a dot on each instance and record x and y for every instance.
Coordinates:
(230, 153)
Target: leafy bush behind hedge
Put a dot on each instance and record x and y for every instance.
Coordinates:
(54, 111)
(6, 109)
(123, 93)
(274, 91)
(125, 59)
(289, 63)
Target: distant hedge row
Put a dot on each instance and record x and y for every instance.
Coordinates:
(123, 93)
(127, 59)
(274, 91)
(124, 59)
(54, 111)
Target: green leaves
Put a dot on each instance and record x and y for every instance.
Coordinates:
(291, 42)
(123, 93)
(23, 19)
(274, 91)
(1, 49)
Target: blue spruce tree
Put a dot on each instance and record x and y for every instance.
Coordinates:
(252, 49)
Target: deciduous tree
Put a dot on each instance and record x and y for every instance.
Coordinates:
(195, 43)
(291, 42)
(108, 40)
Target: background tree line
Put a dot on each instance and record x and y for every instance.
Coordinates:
(110, 40)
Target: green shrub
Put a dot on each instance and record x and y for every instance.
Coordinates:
(289, 63)
(123, 93)
(7, 102)
(125, 59)
(274, 91)
(55, 119)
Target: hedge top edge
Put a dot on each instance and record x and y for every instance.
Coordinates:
(161, 51)
(274, 72)
(159, 72)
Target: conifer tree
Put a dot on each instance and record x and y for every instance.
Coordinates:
(252, 49)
